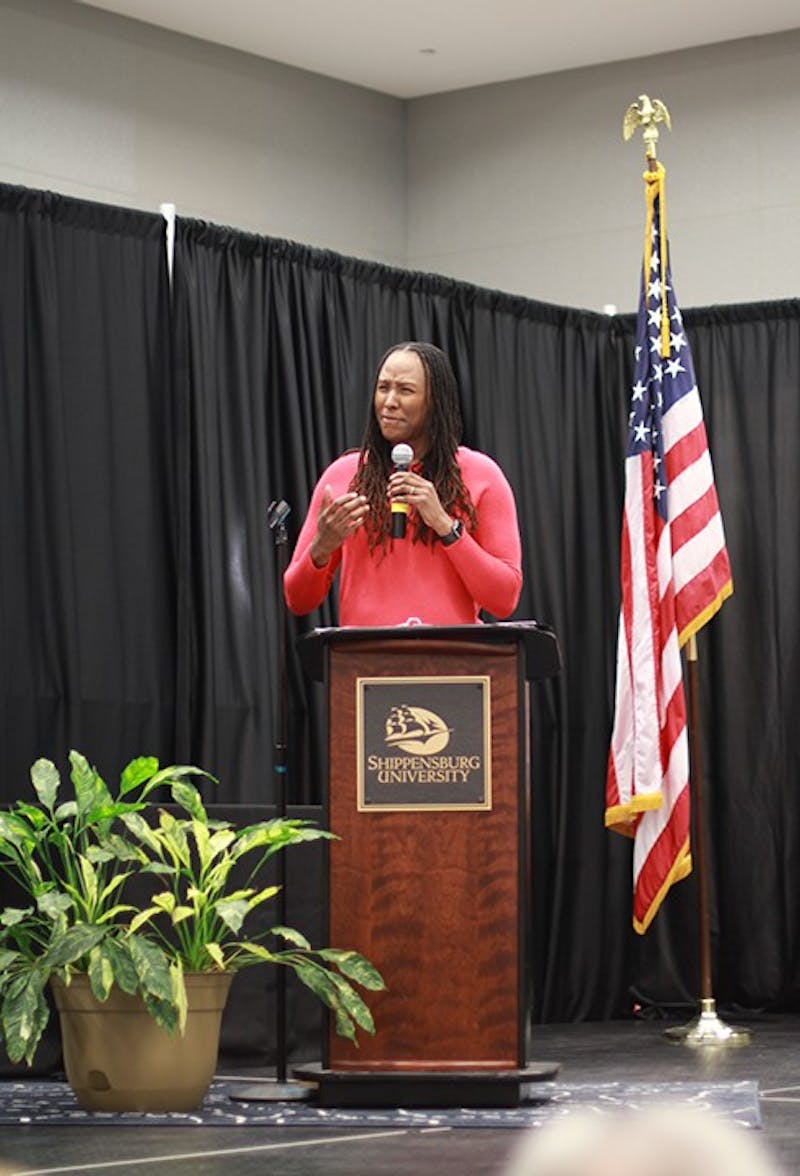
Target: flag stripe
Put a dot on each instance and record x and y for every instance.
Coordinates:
(703, 596)
(698, 553)
(685, 450)
(691, 521)
(644, 649)
(650, 833)
(684, 414)
(688, 482)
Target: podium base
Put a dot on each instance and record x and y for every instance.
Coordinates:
(425, 1088)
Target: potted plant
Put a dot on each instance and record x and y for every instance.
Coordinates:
(165, 959)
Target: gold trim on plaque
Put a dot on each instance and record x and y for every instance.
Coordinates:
(432, 733)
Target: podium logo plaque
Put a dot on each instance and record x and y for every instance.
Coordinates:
(423, 743)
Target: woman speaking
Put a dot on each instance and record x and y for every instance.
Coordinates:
(428, 536)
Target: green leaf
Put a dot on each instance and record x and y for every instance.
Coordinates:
(54, 903)
(216, 954)
(11, 916)
(165, 901)
(337, 993)
(136, 773)
(186, 795)
(144, 916)
(98, 856)
(171, 834)
(160, 868)
(163, 1011)
(198, 898)
(121, 849)
(180, 914)
(46, 781)
(263, 896)
(353, 1003)
(89, 788)
(202, 841)
(291, 936)
(253, 953)
(317, 979)
(321, 984)
(222, 840)
(89, 880)
(75, 943)
(101, 972)
(7, 958)
(113, 885)
(344, 1026)
(101, 816)
(152, 967)
(122, 966)
(272, 835)
(139, 827)
(37, 819)
(216, 878)
(235, 895)
(355, 967)
(24, 1014)
(179, 998)
(232, 913)
(113, 913)
(174, 773)
(17, 833)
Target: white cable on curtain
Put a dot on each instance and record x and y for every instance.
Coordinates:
(168, 213)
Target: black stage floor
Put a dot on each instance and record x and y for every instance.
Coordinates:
(588, 1053)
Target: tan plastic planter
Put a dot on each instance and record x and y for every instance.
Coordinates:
(117, 1058)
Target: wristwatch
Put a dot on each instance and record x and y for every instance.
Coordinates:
(454, 534)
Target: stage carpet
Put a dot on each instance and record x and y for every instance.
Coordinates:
(52, 1103)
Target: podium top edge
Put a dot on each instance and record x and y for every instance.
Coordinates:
(538, 641)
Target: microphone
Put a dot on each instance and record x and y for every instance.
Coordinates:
(402, 457)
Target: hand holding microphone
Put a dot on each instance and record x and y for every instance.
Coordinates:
(408, 488)
(402, 457)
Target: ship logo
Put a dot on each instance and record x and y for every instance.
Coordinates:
(416, 730)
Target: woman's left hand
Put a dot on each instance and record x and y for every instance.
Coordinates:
(410, 487)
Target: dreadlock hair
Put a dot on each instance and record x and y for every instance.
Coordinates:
(439, 464)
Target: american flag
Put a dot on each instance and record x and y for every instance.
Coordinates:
(675, 575)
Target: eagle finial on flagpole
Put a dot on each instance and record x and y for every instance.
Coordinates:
(644, 113)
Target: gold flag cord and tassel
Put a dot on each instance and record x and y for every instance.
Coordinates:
(654, 179)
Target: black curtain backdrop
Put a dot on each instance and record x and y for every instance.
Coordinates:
(87, 527)
(275, 347)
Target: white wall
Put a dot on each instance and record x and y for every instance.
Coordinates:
(525, 186)
(103, 108)
(529, 186)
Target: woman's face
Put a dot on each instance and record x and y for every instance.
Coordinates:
(401, 401)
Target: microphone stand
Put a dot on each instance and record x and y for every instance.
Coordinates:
(279, 1089)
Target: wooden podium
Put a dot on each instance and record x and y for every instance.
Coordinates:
(428, 793)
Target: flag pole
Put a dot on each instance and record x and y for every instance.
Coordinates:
(706, 1029)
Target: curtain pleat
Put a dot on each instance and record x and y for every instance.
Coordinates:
(87, 563)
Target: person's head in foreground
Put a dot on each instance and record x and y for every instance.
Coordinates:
(664, 1141)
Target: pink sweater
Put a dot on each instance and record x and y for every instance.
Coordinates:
(415, 581)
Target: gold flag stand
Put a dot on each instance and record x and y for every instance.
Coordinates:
(706, 1029)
